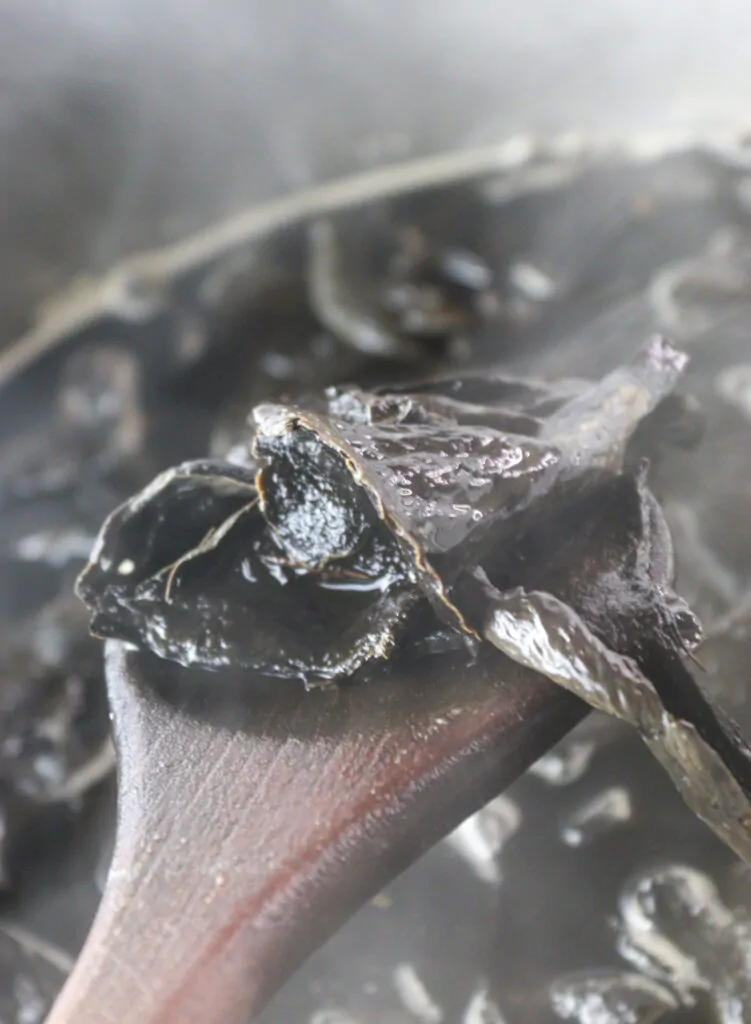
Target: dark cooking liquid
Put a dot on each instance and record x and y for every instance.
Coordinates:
(588, 891)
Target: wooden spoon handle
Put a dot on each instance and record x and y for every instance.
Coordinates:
(239, 852)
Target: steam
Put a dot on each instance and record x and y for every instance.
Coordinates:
(128, 123)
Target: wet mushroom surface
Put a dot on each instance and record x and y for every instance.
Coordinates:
(444, 420)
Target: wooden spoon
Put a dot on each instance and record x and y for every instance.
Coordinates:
(255, 817)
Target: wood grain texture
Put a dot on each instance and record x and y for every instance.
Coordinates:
(255, 817)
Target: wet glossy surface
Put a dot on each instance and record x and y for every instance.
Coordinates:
(358, 515)
(570, 303)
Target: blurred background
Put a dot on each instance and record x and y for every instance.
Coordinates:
(125, 124)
